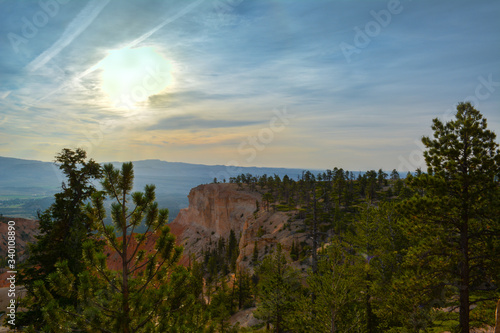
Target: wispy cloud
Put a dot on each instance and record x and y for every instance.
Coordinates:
(74, 29)
(168, 20)
(194, 122)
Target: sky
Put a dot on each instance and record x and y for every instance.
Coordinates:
(299, 84)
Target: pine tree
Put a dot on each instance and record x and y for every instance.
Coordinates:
(148, 291)
(394, 174)
(255, 253)
(278, 290)
(381, 178)
(293, 252)
(232, 251)
(268, 199)
(455, 210)
(378, 244)
(63, 229)
(220, 307)
(244, 290)
(337, 288)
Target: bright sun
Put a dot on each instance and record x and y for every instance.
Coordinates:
(130, 76)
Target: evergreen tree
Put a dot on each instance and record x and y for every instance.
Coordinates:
(255, 253)
(63, 229)
(278, 290)
(220, 307)
(379, 244)
(454, 212)
(337, 290)
(268, 199)
(381, 178)
(244, 290)
(294, 251)
(394, 174)
(371, 185)
(232, 252)
(148, 291)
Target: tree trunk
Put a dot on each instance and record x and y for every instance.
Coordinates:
(125, 291)
(370, 327)
(332, 324)
(464, 278)
(497, 324)
(315, 235)
(463, 264)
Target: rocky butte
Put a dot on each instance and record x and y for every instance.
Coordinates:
(215, 209)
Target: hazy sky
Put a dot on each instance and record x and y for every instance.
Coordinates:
(306, 84)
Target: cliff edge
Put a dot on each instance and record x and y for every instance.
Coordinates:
(216, 209)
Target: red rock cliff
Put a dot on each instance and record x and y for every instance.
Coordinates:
(215, 209)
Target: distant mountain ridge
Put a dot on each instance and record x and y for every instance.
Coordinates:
(28, 185)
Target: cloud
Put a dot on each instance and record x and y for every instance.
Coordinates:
(182, 98)
(194, 122)
(168, 20)
(4, 94)
(75, 28)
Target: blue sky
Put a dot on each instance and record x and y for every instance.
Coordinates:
(304, 84)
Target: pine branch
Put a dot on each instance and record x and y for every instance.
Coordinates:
(138, 244)
(100, 328)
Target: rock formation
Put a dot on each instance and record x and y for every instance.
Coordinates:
(216, 209)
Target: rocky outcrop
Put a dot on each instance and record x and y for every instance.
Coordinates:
(216, 209)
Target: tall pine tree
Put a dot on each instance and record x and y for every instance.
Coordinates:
(278, 287)
(454, 215)
(148, 291)
(63, 229)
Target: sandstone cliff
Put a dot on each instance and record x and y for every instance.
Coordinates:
(215, 209)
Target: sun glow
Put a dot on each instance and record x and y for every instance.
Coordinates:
(130, 76)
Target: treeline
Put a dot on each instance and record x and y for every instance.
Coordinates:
(337, 183)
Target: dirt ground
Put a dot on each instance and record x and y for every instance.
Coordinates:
(245, 318)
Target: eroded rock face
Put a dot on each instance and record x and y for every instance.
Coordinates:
(215, 209)
(218, 208)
